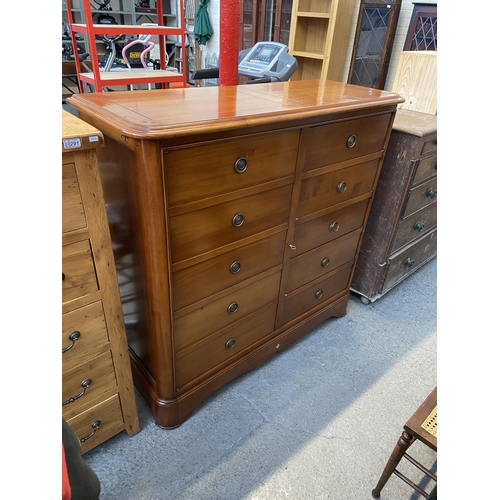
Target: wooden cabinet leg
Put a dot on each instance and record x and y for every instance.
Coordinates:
(397, 454)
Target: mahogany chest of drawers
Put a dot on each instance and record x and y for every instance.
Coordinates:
(236, 215)
(98, 399)
(401, 234)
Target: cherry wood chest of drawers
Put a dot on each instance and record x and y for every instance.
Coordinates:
(98, 399)
(236, 215)
(401, 234)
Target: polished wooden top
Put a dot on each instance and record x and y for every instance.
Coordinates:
(77, 134)
(161, 114)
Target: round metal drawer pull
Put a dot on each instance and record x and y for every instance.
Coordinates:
(73, 336)
(292, 247)
(431, 193)
(334, 227)
(95, 426)
(230, 343)
(235, 267)
(85, 384)
(325, 262)
(342, 186)
(351, 140)
(409, 262)
(232, 308)
(319, 294)
(418, 226)
(238, 219)
(240, 165)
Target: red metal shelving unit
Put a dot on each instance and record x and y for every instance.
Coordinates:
(101, 79)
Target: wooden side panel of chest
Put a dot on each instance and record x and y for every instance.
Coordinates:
(98, 398)
(404, 210)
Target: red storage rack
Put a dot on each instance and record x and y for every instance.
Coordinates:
(113, 78)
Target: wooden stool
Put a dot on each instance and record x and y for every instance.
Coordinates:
(422, 425)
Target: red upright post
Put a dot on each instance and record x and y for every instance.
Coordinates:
(229, 30)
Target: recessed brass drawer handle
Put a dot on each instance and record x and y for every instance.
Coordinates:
(240, 165)
(341, 186)
(230, 343)
(232, 308)
(325, 262)
(95, 426)
(418, 226)
(351, 140)
(85, 384)
(73, 336)
(431, 193)
(319, 294)
(238, 219)
(334, 227)
(409, 262)
(235, 267)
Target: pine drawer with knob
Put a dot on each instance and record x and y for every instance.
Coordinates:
(98, 399)
(401, 233)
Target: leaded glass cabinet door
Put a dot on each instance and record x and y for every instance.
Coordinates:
(374, 38)
(422, 31)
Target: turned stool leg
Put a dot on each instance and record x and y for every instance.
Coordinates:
(397, 454)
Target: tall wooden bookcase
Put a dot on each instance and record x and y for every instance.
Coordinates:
(319, 35)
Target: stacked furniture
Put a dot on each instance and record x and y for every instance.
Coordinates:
(401, 234)
(236, 216)
(98, 399)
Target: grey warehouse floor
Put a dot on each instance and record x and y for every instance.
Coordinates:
(318, 421)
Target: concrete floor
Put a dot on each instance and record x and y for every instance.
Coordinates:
(318, 421)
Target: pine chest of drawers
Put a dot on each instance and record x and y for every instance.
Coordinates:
(98, 399)
(236, 215)
(401, 233)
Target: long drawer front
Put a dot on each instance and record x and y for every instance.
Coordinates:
(407, 261)
(98, 424)
(203, 230)
(421, 196)
(324, 191)
(226, 270)
(224, 345)
(414, 227)
(212, 169)
(78, 273)
(84, 334)
(320, 261)
(315, 293)
(346, 140)
(73, 214)
(86, 383)
(224, 310)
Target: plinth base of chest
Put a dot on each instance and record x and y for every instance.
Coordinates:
(171, 413)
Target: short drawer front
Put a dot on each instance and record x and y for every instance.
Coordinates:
(327, 190)
(83, 333)
(404, 263)
(420, 197)
(414, 227)
(78, 274)
(98, 424)
(322, 260)
(194, 362)
(325, 228)
(316, 293)
(224, 311)
(226, 270)
(77, 392)
(328, 144)
(223, 167)
(73, 214)
(198, 232)
(426, 168)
